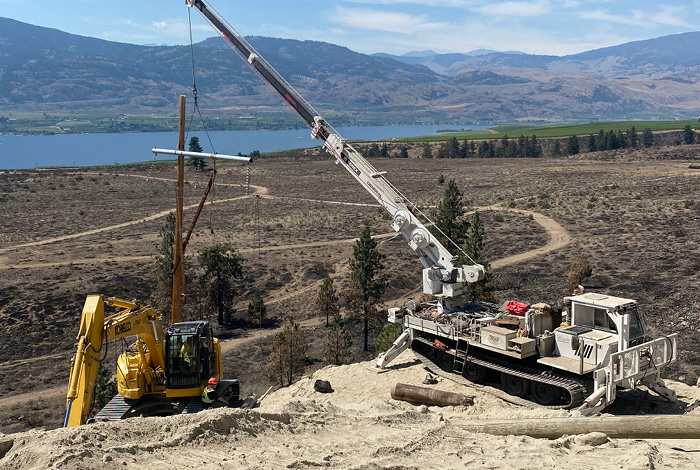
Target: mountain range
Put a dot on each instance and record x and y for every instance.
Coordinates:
(45, 69)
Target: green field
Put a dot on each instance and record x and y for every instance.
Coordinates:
(556, 130)
(37, 123)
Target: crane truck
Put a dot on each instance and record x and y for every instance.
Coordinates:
(575, 359)
(162, 373)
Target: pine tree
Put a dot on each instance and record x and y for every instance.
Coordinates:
(535, 147)
(621, 139)
(163, 292)
(611, 138)
(327, 300)
(197, 162)
(338, 342)
(600, 142)
(372, 151)
(384, 150)
(387, 337)
(484, 148)
(472, 148)
(105, 389)
(453, 148)
(492, 151)
(287, 360)
(647, 138)
(463, 150)
(522, 144)
(257, 310)
(368, 283)
(507, 148)
(688, 135)
(448, 216)
(427, 151)
(632, 138)
(572, 147)
(442, 151)
(473, 247)
(592, 147)
(221, 265)
(556, 151)
(403, 153)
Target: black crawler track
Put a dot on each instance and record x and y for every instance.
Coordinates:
(576, 387)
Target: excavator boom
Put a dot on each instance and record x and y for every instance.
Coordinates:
(85, 363)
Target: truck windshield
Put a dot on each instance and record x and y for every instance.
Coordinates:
(636, 324)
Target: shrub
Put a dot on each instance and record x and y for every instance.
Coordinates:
(387, 337)
(580, 270)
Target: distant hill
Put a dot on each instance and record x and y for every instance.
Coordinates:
(673, 55)
(45, 69)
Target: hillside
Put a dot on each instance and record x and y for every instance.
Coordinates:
(356, 426)
(669, 56)
(46, 70)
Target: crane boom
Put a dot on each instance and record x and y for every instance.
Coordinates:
(443, 275)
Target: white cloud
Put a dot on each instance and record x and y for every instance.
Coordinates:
(666, 16)
(429, 3)
(378, 20)
(514, 8)
(672, 16)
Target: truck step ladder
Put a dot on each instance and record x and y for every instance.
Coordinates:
(460, 357)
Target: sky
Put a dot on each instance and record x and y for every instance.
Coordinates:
(556, 27)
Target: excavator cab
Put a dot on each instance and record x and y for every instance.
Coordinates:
(189, 355)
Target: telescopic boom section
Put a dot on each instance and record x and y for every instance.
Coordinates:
(443, 276)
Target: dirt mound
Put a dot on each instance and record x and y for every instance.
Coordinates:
(356, 426)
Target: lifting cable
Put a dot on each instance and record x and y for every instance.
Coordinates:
(201, 118)
(194, 89)
(204, 125)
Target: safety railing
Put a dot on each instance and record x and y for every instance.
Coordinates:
(637, 360)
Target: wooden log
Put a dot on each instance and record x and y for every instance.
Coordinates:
(429, 396)
(621, 427)
(265, 394)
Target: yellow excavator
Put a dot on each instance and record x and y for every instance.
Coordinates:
(162, 373)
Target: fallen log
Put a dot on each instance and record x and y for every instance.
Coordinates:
(429, 396)
(621, 427)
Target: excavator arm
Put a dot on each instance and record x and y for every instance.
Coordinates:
(95, 329)
(85, 363)
(443, 276)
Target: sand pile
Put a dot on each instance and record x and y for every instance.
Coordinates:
(356, 426)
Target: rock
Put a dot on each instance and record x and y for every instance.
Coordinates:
(422, 409)
(5, 445)
(429, 379)
(697, 384)
(323, 386)
(592, 439)
(106, 458)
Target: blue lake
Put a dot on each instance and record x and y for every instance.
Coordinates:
(20, 152)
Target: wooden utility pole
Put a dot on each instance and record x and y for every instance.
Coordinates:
(179, 271)
(429, 396)
(621, 427)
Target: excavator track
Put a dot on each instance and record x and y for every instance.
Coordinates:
(576, 388)
(115, 409)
